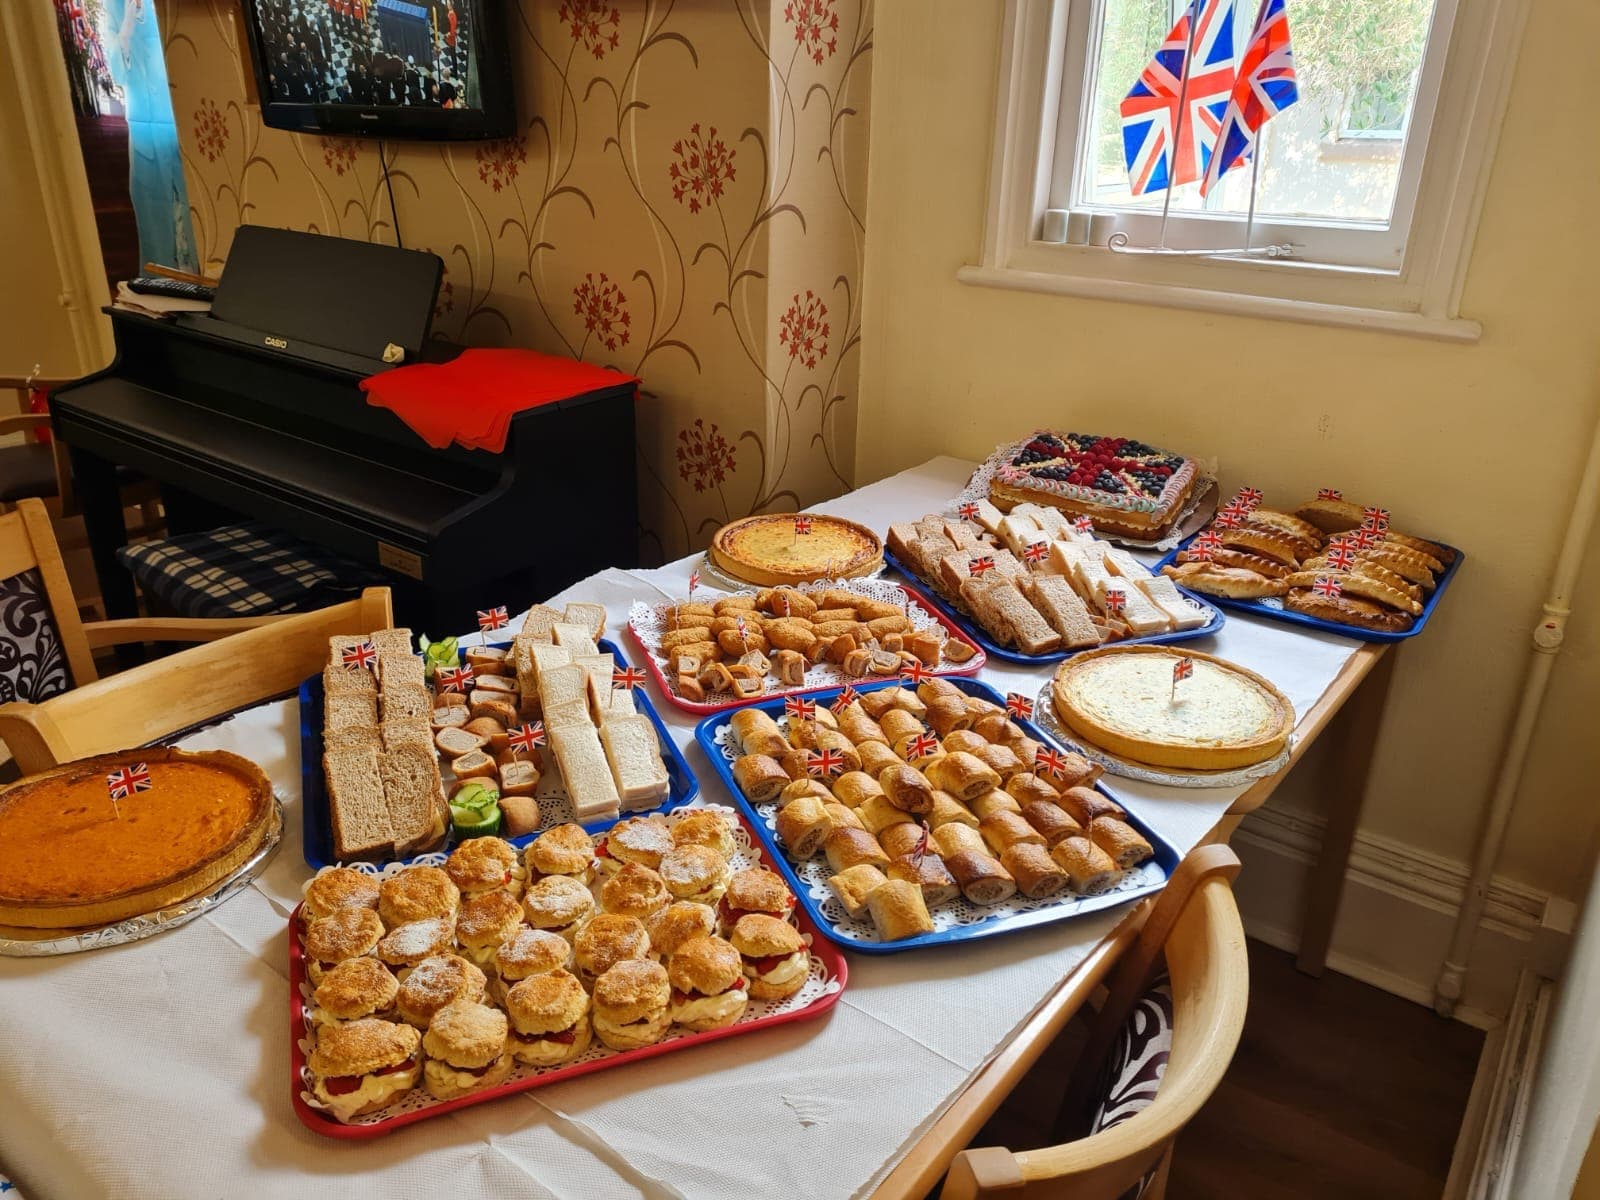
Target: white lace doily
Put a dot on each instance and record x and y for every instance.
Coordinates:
(649, 624)
(953, 914)
(1044, 716)
(1205, 486)
(746, 853)
(136, 929)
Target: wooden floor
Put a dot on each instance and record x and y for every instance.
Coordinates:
(1338, 1090)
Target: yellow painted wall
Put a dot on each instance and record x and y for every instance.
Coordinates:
(1481, 444)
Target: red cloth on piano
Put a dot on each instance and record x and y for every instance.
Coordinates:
(472, 398)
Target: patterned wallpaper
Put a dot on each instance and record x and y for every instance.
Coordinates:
(684, 200)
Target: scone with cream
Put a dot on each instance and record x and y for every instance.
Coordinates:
(695, 873)
(486, 864)
(709, 989)
(641, 840)
(560, 904)
(333, 888)
(530, 952)
(606, 941)
(561, 850)
(549, 1019)
(632, 1004)
(485, 922)
(466, 1049)
(360, 1066)
(435, 982)
(343, 935)
(356, 988)
(676, 924)
(634, 891)
(775, 958)
(417, 894)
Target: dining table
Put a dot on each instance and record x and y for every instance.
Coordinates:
(161, 1069)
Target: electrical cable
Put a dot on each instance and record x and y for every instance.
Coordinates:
(394, 213)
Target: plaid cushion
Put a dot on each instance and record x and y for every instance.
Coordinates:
(251, 570)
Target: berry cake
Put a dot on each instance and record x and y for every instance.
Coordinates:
(1125, 487)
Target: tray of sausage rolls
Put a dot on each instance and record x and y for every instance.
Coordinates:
(922, 811)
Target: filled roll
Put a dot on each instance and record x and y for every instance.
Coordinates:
(947, 808)
(802, 826)
(1000, 759)
(898, 910)
(1089, 869)
(907, 788)
(993, 802)
(963, 775)
(757, 733)
(843, 818)
(964, 739)
(1037, 874)
(1125, 844)
(980, 876)
(759, 777)
(876, 704)
(996, 727)
(933, 688)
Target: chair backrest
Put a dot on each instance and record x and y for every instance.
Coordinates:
(148, 702)
(28, 543)
(1196, 925)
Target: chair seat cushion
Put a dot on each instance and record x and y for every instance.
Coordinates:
(1136, 1064)
(33, 665)
(249, 570)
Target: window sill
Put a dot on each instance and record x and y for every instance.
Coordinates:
(1277, 308)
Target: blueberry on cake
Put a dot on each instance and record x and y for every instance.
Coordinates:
(1125, 487)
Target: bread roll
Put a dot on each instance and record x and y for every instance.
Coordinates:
(802, 826)
(757, 733)
(1036, 873)
(1085, 804)
(854, 788)
(1027, 787)
(1002, 829)
(993, 802)
(907, 788)
(1052, 821)
(898, 910)
(759, 777)
(1089, 869)
(1125, 844)
(980, 876)
(929, 873)
(963, 775)
(852, 887)
(946, 808)
(847, 848)
(953, 838)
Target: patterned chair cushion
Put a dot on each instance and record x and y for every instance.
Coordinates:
(251, 570)
(33, 666)
(1136, 1064)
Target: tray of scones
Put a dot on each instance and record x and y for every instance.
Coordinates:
(924, 811)
(419, 989)
(713, 654)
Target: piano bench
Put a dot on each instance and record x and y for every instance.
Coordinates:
(249, 570)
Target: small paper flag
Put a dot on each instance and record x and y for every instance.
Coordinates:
(802, 525)
(1340, 555)
(1116, 601)
(824, 762)
(1329, 494)
(1326, 585)
(915, 673)
(627, 678)
(694, 581)
(980, 564)
(799, 708)
(525, 739)
(844, 699)
(1083, 524)
(125, 781)
(454, 679)
(1182, 669)
(1019, 705)
(359, 657)
(1036, 552)
(968, 511)
(1050, 762)
(493, 618)
(921, 746)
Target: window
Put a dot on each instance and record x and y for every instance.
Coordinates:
(1368, 185)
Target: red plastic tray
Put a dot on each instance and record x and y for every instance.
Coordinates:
(913, 596)
(319, 1122)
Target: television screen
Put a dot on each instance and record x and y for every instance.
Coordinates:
(385, 68)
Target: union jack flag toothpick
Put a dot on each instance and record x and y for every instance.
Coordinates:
(800, 709)
(493, 618)
(627, 678)
(1227, 520)
(1366, 538)
(359, 657)
(922, 746)
(1327, 585)
(825, 762)
(454, 679)
(1019, 705)
(1329, 494)
(1047, 761)
(1341, 557)
(980, 564)
(694, 581)
(802, 525)
(1083, 524)
(1250, 497)
(1182, 669)
(125, 781)
(1036, 552)
(1235, 508)
(844, 699)
(915, 673)
(968, 511)
(1373, 513)
(1116, 601)
(525, 739)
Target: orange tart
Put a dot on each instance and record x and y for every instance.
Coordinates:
(767, 550)
(1123, 700)
(69, 858)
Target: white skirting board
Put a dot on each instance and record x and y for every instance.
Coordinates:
(1396, 915)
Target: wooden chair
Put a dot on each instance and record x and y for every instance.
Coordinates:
(151, 701)
(1195, 925)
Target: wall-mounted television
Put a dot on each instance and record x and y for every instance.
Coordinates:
(383, 68)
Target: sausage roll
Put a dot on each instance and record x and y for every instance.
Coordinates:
(854, 886)
(898, 910)
(844, 818)
(964, 739)
(897, 723)
(794, 764)
(1125, 844)
(875, 756)
(979, 707)
(1036, 873)
(759, 777)
(847, 848)
(929, 873)
(993, 802)
(996, 727)
(876, 704)
(1001, 829)
(854, 788)
(904, 749)
(832, 739)
(808, 786)
(1079, 772)
(947, 714)
(953, 838)
(907, 788)
(963, 775)
(1089, 869)
(802, 826)
(981, 877)
(947, 808)
(934, 688)
(1002, 760)
(858, 727)
(1051, 821)
(1085, 804)
(905, 837)
(877, 814)
(1028, 787)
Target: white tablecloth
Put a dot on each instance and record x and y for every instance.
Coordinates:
(161, 1069)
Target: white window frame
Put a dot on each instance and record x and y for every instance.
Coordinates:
(1419, 295)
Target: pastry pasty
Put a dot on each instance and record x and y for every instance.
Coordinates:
(1125, 844)
(1359, 587)
(981, 877)
(963, 775)
(855, 885)
(1347, 610)
(1037, 874)
(1295, 527)
(1232, 582)
(1089, 869)
(1268, 543)
(759, 777)
(802, 826)
(898, 910)
(1241, 560)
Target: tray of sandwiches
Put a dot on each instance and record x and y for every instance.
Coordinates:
(1329, 565)
(395, 763)
(710, 655)
(1031, 586)
(454, 980)
(923, 812)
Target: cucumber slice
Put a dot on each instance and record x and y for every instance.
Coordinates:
(473, 822)
(475, 796)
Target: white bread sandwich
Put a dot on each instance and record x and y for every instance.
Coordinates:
(635, 757)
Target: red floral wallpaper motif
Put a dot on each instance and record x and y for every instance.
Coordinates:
(626, 222)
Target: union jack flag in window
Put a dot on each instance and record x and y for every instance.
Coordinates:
(1181, 95)
(1265, 86)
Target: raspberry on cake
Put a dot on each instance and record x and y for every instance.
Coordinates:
(1125, 487)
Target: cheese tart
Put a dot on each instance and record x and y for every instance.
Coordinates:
(1124, 700)
(767, 551)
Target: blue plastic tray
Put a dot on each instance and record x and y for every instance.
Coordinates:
(976, 632)
(318, 828)
(1272, 608)
(1016, 914)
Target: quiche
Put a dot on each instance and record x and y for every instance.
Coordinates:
(1122, 699)
(767, 551)
(69, 860)
(1127, 488)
